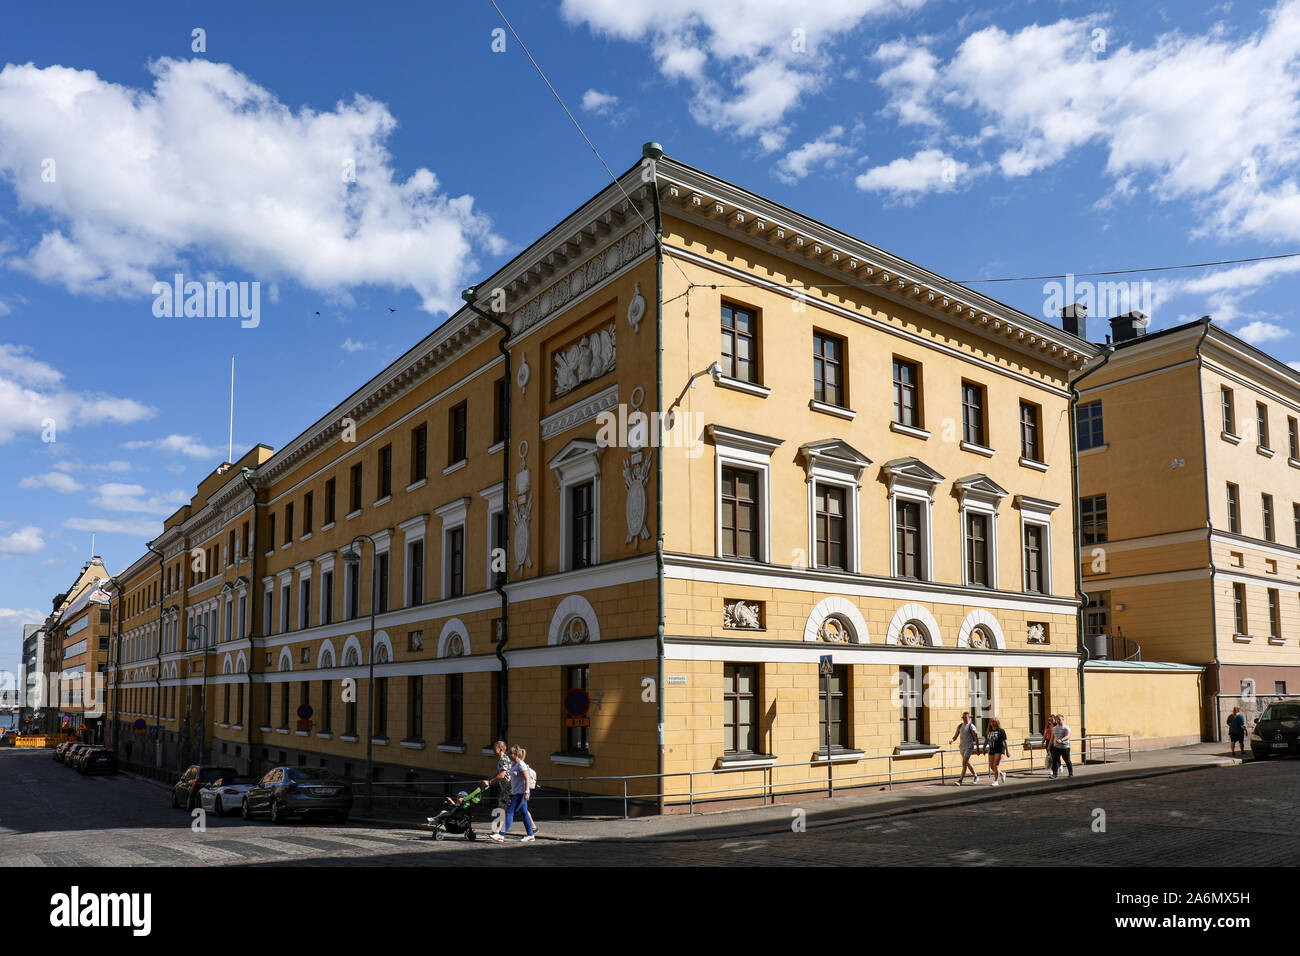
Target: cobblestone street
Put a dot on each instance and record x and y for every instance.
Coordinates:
(1222, 816)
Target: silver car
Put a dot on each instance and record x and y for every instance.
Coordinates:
(225, 795)
(286, 792)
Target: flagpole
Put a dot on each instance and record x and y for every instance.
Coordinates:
(230, 448)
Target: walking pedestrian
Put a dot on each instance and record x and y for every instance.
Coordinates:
(1237, 731)
(1048, 761)
(969, 736)
(995, 742)
(1061, 746)
(502, 776)
(519, 788)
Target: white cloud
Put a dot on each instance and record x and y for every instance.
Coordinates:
(13, 619)
(749, 62)
(115, 496)
(208, 165)
(58, 480)
(32, 391)
(929, 171)
(187, 445)
(351, 345)
(26, 540)
(598, 103)
(135, 527)
(824, 151)
(1259, 331)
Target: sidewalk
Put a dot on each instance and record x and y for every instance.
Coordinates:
(861, 805)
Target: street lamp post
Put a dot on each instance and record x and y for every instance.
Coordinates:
(353, 556)
(191, 638)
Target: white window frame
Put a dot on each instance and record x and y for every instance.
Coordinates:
(904, 486)
(577, 463)
(737, 449)
(413, 531)
(836, 472)
(326, 562)
(494, 498)
(268, 608)
(973, 499)
(304, 607)
(453, 515)
(1035, 511)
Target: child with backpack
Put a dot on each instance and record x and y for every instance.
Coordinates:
(522, 780)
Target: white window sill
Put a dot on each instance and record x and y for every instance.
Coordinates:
(1230, 438)
(746, 763)
(417, 484)
(749, 388)
(1030, 463)
(496, 448)
(977, 449)
(488, 752)
(1242, 638)
(379, 741)
(908, 430)
(327, 526)
(236, 726)
(1094, 450)
(839, 756)
(382, 501)
(924, 751)
(1277, 640)
(1265, 451)
(412, 744)
(455, 467)
(835, 410)
(451, 748)
(324, 735)
(350, 738)
(305, 537)
(1293, 462)
(265, 729)
(352, 514)
(226, 726)
(567, 760)
(282, 730)
(287, 544)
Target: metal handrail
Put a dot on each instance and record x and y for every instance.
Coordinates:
(768, 789)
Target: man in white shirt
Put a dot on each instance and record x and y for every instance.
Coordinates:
(1061, 746)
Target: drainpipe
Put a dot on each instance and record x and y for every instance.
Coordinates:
(1209, 526)
(253, 591)
(653, 152)
(157, 671)
(1107, 351)
(470, 296)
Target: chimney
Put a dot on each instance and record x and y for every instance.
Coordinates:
(1074, 319)
(1129, 326)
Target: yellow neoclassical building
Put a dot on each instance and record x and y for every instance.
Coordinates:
(619, 508)
(1189, 491)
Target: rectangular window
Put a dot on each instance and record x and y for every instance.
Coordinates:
(499, 396)
(415, 731)
(828, 369)
(458, 423)
(739, 504)
(1274, 614)
(911, 706)
(576, 733)
(326, 707)
(415, 571)
(304, 603)
(740, 708)
(907, 394)
(498, 557)
(833, 708)
(455, 708)
(285, 600)
(979, 683)
(977, 549)
(1229, 414)
(355, 490)
(248, 541)
(739, 344)
(284, 704)
(832, 549)
(381, 707)
(1261, 423)
(353, 582)
(1234, 512)
(385, 472)
(329, 500)
(288, 523)
(327, 597)
(1239, 608)
(1295, 517)
(1092, 519)
(239, 709)
(267, 613)
(582, 524)
(270, 536)
(909, 554)
(972, 414)
(308, 501)
(419, 453)
(1030, 443)
(1293, 439)
(1034, 579)
(1088, 426)
(1037, 701)
(1266, 508)
(455, 562)
(381, 581)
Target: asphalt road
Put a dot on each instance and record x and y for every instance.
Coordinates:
(1221, 816)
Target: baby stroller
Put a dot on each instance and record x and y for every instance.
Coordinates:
(457, 816)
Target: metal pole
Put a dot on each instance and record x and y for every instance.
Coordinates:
(370, 708)
(625, 798)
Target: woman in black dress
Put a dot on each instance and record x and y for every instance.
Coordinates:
(996, 741)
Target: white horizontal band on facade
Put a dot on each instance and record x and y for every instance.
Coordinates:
(1102, 583)
(1255, 544)
(1141, 544)
(863, 654)
(678, 567)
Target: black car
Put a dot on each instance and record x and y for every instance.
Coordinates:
(298, 791)
(1277, 731)
(185, 792)
(98, 760)
(70, 755)
(61, 750)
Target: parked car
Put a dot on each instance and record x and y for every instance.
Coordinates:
(70, 758)
(298, 791)
(1277, 731)
(61, 750)
(226, 795)
(98, 760)
(185, 792)
(79, 758)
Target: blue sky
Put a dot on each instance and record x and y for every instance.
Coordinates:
(1014, 139)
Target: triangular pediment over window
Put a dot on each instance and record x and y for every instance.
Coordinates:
(833, 454)
(979, 487)
(910, 472)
